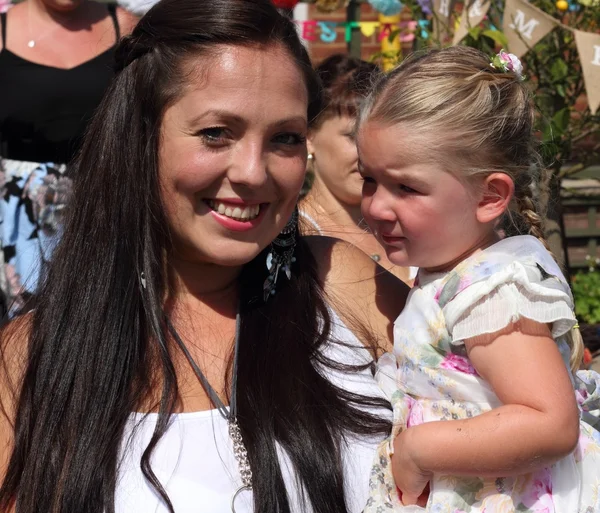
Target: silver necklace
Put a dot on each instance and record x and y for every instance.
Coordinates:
(33, 41)
(229, 414)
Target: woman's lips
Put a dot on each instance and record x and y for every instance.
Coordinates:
(236, 215)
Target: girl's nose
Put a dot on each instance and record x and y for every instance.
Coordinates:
(378, 206)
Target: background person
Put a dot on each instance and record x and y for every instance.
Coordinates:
(56, 60)
(332, 206)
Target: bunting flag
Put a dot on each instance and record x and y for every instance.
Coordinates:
(473, 14)
(524, 25)
(588, 46)
(442, 12)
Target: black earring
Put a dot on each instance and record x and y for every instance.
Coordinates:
(281, 255)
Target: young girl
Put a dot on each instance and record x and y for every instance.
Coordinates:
(485, 341)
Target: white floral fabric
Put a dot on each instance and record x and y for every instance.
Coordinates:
(430, 379)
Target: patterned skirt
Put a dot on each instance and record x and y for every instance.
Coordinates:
(32, 206)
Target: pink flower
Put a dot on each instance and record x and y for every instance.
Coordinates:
(5, 5)
(415, 415)
(538, 496)
(581, 395)
(458, 363)
(511, 62)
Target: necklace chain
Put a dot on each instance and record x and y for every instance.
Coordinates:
(239, 449)
(33, 41)
(240, 453)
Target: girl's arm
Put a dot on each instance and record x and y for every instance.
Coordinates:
(537, 425)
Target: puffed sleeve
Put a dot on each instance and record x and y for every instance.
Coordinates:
(534, 289)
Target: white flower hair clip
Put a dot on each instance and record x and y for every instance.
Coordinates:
(508, 62)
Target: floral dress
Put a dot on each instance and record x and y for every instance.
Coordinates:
(32, 205)
(429, 378)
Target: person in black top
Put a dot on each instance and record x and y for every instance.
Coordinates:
(56, 59)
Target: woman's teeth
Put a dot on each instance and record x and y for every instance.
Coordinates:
(238, 213)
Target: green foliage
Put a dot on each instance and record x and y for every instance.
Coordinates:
(586, 291)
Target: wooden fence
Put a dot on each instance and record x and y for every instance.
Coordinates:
(581, 219)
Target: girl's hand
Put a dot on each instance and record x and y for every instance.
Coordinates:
(410, 479)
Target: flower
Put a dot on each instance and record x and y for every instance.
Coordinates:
(508, 62)
(458, 363)
(538, 497)
(425, 6)
(5, 5)
(415, 416)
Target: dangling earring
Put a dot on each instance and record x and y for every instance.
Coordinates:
(281, 255)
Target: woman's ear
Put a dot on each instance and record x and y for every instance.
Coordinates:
(496, 193)
(309, 144)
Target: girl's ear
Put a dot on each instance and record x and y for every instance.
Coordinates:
(496, 193)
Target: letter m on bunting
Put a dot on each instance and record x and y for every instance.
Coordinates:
(524, 26)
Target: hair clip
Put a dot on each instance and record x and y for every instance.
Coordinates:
(508, 62)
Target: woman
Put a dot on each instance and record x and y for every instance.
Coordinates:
(332, 206)
(55, 62)
(181, 286)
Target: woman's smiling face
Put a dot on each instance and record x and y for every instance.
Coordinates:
(233, 153)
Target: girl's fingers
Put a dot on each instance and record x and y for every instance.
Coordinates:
(408, 499)
(423, 498)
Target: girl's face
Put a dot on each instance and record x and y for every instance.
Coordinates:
(336, 160)
(233, 154)
(423, 215)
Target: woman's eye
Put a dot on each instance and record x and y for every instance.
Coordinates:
(213, 135)
(289, 139)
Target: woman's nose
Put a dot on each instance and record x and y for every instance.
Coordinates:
(249, 167)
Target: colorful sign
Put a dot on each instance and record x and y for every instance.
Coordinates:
(326, 31)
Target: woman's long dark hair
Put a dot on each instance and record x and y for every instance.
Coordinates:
(97, 340)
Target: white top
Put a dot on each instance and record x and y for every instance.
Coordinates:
(137, 7)
(194, 459)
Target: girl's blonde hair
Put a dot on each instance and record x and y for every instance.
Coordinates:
(481, 116)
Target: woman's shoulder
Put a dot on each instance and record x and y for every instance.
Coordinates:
(125, 18)
(127, 21)
(15, 18)
(357, 286)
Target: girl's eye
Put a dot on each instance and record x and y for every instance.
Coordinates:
(289, 139)
(369, 186)
(213, 135)
(407, 189)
